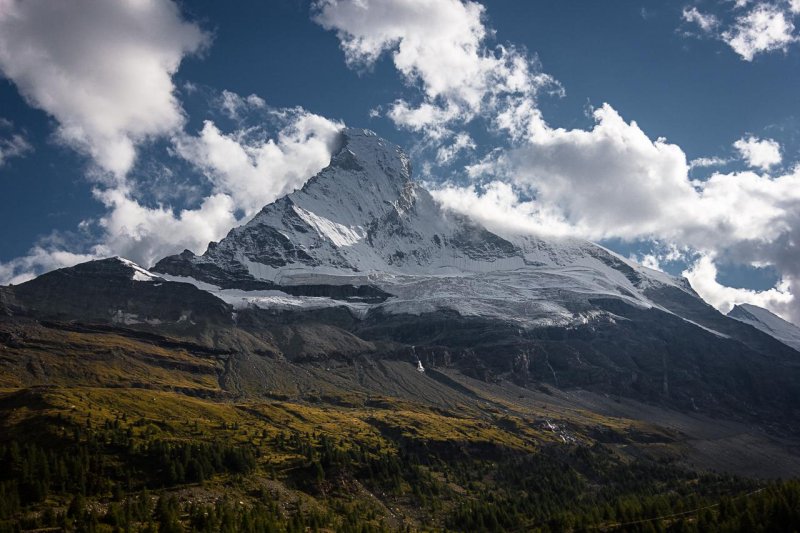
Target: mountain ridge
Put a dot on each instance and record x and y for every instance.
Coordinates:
(768, 322)
(363, 222)
(360, 266)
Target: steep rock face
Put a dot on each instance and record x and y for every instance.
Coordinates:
(361, 214)
(116, 291)
(768, 322)
(362, 230)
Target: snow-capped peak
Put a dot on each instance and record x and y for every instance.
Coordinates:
(768, 322)
(363, 221)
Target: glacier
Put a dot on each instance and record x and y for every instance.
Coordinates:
(363, 222)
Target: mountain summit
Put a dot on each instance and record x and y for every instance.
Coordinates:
(361, 265)
(363, 228)
(361, 214)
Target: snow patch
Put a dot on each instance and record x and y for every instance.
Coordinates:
(768, 322)
(139, 273)
(339, 234)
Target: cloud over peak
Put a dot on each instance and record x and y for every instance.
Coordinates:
(243, 169)
(253, 168)
(614, 182)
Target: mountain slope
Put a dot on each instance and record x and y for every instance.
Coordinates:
(768, 322)
(357, 359)
(363, 231)
(362, 267)
(365, 248)
(116, 291)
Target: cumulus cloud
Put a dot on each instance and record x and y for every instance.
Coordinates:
(500, 207)
(147, 234)
(753, 29)
(613, 181)
(438, 46)
(765, 28)
(255, 170)
(703, 277)
(760, 153)
(233, 105)
(102, 69)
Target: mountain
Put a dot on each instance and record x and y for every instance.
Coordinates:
(362, 262)
(364, 235)
(768, 322)
(362, 240)
(361, 359)
(114, 290)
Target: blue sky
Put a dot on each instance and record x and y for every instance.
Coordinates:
(667, 131)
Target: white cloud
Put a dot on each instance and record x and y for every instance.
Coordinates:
(608, 181)
(39, 259)
(102, 69)
(756, 27)
(650, 261)
(246, 170)
(760, 153)
(233, 105)
(765, 28)
(439, 46)
(461, 142)
(613, 181)
(432, 119)
(706, 21)
(499, 207)
(703, 277)
(255, 170)
(661, 253)
(435, 42)
(703, 162)
(147, 234)
(15, 145)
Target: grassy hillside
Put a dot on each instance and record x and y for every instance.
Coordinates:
(112, 430)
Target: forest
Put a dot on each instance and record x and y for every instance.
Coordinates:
(123, 475)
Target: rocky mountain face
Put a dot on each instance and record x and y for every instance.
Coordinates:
(768, 322)
(114, 291)
(363, 232)
(361, 266)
